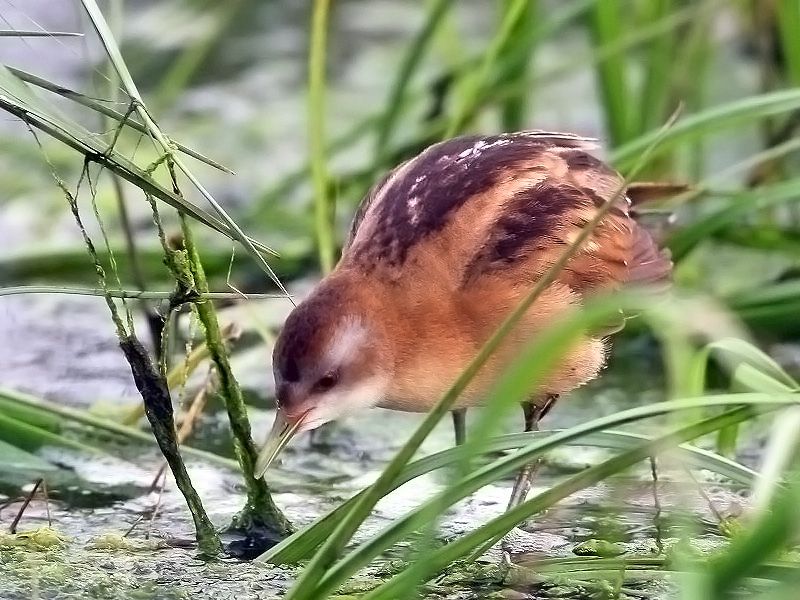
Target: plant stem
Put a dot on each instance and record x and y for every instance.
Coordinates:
(607, 25)
(259, 510)
(324, 210)
(158, 408)
(114, 55)
(153, 388)
(514, 108)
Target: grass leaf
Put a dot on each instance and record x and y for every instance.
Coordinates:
(733, 114)
(324, 208)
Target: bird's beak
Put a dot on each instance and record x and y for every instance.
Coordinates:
(283, 430)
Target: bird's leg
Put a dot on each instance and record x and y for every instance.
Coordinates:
(522, 485)
(460, 425)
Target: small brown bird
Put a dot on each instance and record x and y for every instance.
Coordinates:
(439, 253)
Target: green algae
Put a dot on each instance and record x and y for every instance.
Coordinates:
(38, 540)
(117, 542)
(597, 547)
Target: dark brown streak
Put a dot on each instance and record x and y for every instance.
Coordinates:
(527, 220)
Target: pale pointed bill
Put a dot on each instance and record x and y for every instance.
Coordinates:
(281, 433)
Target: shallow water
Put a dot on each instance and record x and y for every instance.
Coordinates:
(312, 480)
(109, 497)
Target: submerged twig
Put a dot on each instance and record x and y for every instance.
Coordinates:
(133, 526)
(159, 488)
(13, 527)
(656, 504)
(195, 409)
(46, 502)
(709, 502)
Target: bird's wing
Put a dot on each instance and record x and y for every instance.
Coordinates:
(537, 224)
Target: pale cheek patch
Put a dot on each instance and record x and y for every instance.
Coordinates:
(349, 337)
(339, 403)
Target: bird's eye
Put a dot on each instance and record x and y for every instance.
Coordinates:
(326, 382)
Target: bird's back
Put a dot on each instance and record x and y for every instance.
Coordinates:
(502, 206)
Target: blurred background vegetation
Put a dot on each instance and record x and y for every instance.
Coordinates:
(310, 110)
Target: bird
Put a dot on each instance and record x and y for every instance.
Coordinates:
(439, 252)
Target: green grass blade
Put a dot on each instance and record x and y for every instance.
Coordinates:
(37, 33)
(694, 58)
(779, 292)
(518, 59)
(735, 208)
(127, 294)
(101, 108)
(607, 26)
(115, 57)
(732, 353)
(475, 83)
(192, 58)
(788, 21)
(749, 367)
(29, 415)
(28, 437)
(15, 459)
(302, 543)
(473, 481)
(17, 100)
(733, 114)
(658, 69)
(324, 208)
(628, 42)
(771, 532)
(89, 420)
(68, 266)
(549, 26)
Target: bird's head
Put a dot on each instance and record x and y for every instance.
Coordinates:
(329, 361)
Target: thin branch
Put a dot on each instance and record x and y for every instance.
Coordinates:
(13, 527)
(141, 294)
